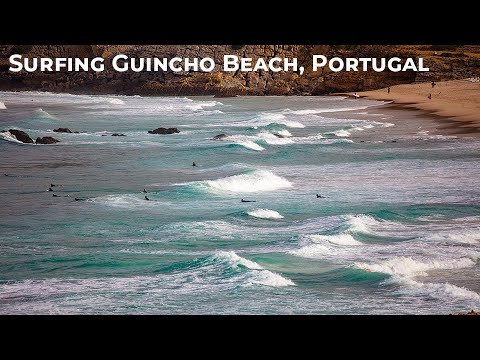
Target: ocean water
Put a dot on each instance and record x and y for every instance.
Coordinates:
(397, 230)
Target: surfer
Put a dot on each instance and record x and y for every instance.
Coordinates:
(55, 195)
(79, 199)
(247, 201)
(50, 189)
(194, 164)
(52, 185)
(6, 174)
(146, 198)
(144, 191)
(320, 196)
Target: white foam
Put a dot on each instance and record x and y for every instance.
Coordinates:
(407, 266)
(440, 290)
(361, 223)
(313, 251)
(2, 106)
(265, 214)
(276, 118)
(116, 101)
(340, 133)
(271, 139)
(43, 114)
(465, 236)
(284, 133)
(339, 239)
(202, 104)
(249, 144)
(6, 135)
(258, 275)
(258, 181)
(125, 201)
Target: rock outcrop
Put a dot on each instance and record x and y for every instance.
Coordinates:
(46, 140)
(164, 131)
(21, 136)
(446, 62)
(63, 130)
(220, 137)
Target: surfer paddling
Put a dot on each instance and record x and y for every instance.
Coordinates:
(247, 201)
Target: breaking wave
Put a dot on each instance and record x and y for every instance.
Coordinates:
(257, 181)
(265, 214)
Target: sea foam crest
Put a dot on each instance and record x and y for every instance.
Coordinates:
(361, 223)
(256, 273)
(338, 239)
(276, 118)
(257, 181)
(6, 135)
(265, 214)
(2, 106)
(406, 266)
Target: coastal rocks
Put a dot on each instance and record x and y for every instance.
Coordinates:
(21, 136)
(220, 137)
(116, 134)
(47, 140)
(471, 312)
(63, 130)
(164, 131)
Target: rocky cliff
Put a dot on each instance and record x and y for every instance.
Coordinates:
(445, 62)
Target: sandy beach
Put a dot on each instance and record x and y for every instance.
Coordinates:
(456, 100)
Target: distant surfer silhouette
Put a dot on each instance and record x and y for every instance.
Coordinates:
(50, 189)
(79, 199)
(320, 197)
(248, 201)
(194, 164)
(52, 185)
(146, 198)
(144, 191)
(55, 195)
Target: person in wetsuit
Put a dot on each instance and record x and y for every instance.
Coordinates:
(246, 201)
(146, 198)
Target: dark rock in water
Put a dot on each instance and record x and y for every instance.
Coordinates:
(220, 137)
(164, 131)
(115, 134)
(21, 136)
(279, 135)
(63, 130)
(46, 140)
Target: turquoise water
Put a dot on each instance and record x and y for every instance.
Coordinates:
(397, 231)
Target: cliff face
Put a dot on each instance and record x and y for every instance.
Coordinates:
(447, 62)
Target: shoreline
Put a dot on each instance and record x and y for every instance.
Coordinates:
(454, 103)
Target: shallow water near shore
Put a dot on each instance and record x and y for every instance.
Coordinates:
(397, 230)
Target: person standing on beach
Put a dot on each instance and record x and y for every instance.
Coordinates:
(388, 89)
(433, 84)
(430, 96)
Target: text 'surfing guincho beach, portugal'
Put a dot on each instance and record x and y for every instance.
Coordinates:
(346, 187)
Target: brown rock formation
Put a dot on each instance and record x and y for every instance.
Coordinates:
(46, 140)
(164, 131)
(21, 136)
